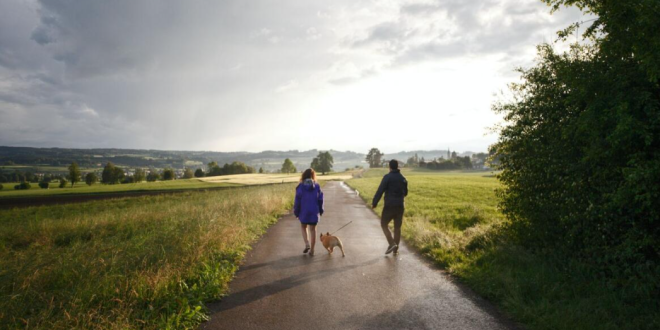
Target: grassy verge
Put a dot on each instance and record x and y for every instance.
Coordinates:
(452, 218)
(147, 262)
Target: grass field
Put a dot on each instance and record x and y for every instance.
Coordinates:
(81, 188)
(142, 262)
(251, 179)
(452, 218)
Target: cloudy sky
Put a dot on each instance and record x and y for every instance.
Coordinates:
(255, 75)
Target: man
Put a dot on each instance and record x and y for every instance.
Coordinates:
(395, 187)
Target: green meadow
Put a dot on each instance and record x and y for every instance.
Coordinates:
(452, 218)
(142, 262)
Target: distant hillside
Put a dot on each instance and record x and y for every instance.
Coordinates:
(270, 160)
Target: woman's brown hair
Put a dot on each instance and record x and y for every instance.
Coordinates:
(308, 174)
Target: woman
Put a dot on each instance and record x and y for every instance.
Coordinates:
(308, 207)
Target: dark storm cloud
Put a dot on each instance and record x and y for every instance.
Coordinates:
(178, 74)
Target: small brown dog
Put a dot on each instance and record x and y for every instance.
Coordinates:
(329, 243)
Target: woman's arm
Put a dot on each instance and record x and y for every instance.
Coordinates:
(296, 203)
(320, 201)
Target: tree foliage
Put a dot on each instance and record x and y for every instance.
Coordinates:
(188, 173)
(323, 162)
(288, 167)
(74, 173)
(91, 178)
(234, 168)
(153, 176)
(168, 174)
(374, 158)
(112, 174)
(580, 154)
(199, 173)
(413, 161)
(139, 175)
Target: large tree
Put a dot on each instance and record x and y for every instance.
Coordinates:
(374, 157)
(288, 167)
(91, 178)
(168, 174)
(323, 162)
(580, 151)
(188, 173)
(109, 174)
(74, 173)
(139, 175)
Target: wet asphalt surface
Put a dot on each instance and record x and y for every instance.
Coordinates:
(278, 287)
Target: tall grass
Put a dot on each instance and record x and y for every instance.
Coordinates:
(148, 262)
(452, 218)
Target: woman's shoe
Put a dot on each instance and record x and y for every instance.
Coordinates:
(306, 250)
(391, 248)
(311, 253)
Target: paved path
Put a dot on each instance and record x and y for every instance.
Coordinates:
(280, 288)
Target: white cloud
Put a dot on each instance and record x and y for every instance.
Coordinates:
(289, 85)
(221, 75)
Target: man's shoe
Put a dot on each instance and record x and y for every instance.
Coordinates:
(391, 248)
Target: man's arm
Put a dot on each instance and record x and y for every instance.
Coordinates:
(405, 187)
(379, 193)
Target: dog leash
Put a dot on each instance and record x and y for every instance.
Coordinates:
(342, 227)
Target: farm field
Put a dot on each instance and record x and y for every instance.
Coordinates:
(81, 188)
(196, 183)
(142, 262)
(452, 218)
(252, 179)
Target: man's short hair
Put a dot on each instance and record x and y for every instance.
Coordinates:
(394, 164)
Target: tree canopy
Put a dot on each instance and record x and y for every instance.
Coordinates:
(580, 151)
(323, 162)
(112, 174)
(91, 178)
(74, 173)
(374, 157)
(288, 167)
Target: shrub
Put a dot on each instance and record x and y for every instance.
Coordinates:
(1, 187)
(43, 185)
(62, 183)
(168, 174)
(23, 186)
(153, 176)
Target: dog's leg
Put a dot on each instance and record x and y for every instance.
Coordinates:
(341, 247)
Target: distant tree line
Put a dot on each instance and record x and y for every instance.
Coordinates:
(234, 168)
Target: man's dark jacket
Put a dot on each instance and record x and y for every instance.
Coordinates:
(395, 187)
